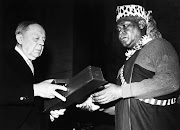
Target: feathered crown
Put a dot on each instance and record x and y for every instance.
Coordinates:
(132, 10)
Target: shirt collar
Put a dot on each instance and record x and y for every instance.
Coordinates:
(21, 53)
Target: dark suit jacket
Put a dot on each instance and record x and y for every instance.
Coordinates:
(17, 106)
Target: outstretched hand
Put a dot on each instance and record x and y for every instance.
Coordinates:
(111, 92)
(88, 105)
(47, 90)
(56, 113)
(110, 110)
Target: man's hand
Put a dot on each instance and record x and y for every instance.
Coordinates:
(110, 110)
(47, 90)
(56, 113)
(111, 92)
(88, 105)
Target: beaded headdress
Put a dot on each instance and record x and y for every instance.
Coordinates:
(132, 10)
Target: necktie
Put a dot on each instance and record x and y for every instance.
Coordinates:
(30, 65)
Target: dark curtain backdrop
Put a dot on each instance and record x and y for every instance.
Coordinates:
(82, 33)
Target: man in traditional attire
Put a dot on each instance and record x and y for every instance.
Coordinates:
(147, 84)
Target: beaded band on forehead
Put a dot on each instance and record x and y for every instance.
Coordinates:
(132, 10)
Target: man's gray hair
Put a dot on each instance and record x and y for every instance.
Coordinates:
(23, 27)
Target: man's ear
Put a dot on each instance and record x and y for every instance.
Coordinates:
(19, 38)
(142, 24)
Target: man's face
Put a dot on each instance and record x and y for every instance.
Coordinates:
(129, 33)
(33, 41)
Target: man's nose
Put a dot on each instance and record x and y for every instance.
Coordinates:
(41, 42)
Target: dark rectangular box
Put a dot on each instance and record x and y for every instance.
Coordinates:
(79, 88)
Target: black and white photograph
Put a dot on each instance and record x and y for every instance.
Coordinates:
(89, 65)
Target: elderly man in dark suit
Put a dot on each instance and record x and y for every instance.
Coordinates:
(18, 110)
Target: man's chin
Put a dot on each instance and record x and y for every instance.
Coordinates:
(125, 44)
(35, 57)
